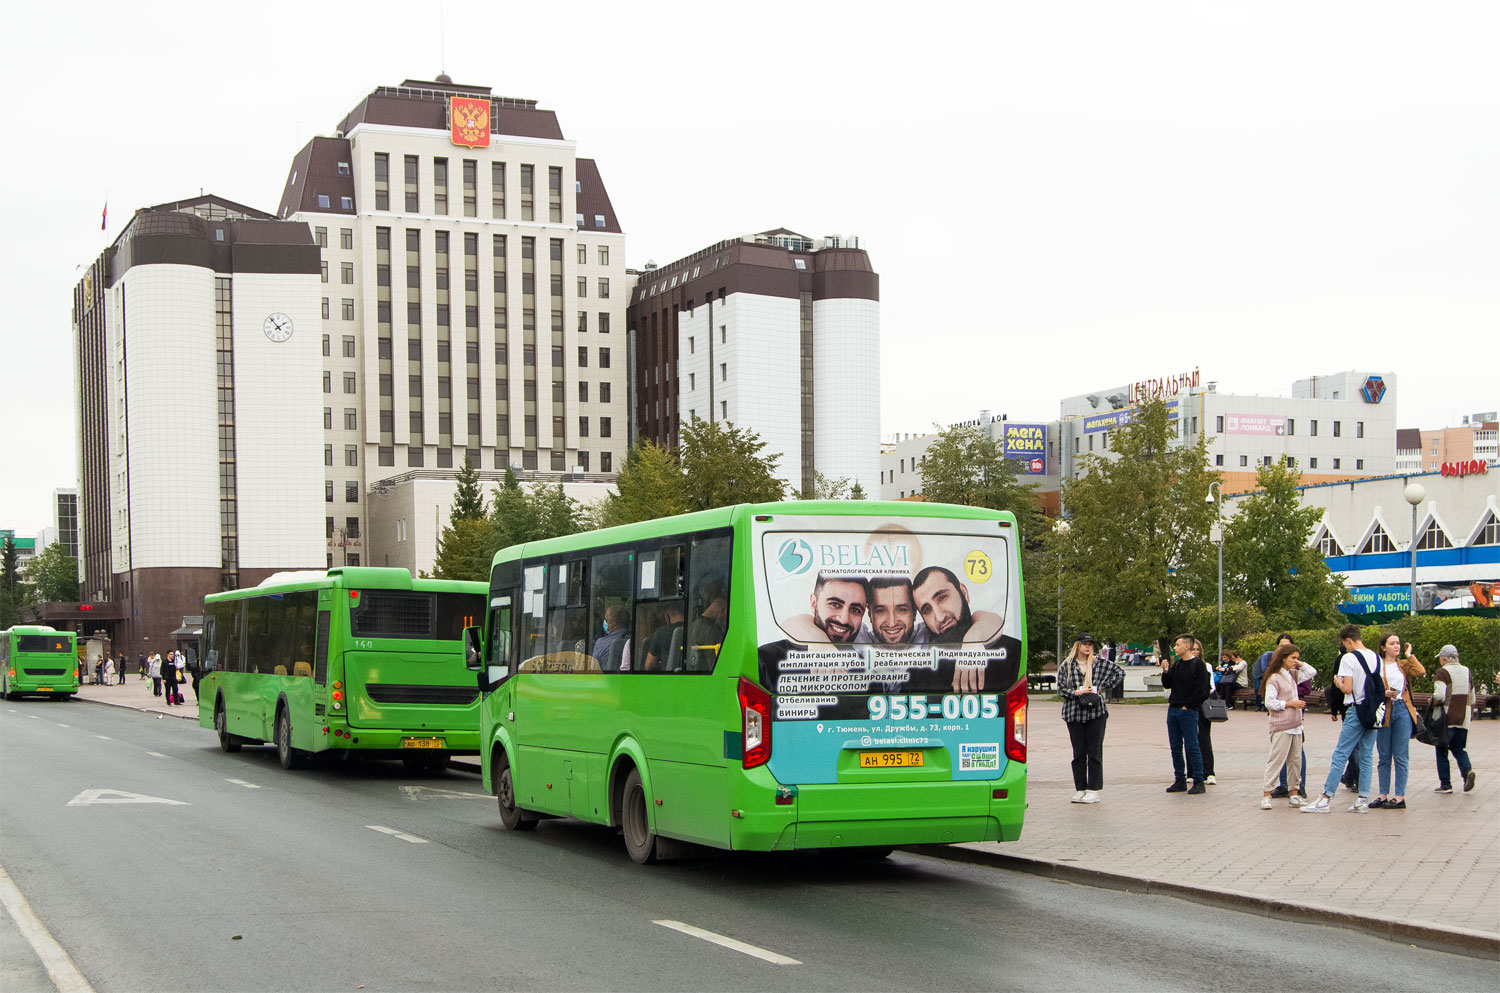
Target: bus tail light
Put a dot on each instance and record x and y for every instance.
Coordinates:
(1015, 722)
(755, 705)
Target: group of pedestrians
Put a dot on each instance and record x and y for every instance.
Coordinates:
(1371, 692)
(168, 676)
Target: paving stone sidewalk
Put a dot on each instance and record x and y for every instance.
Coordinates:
(1435, 863)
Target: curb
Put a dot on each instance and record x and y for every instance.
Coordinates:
(140, 710)
(1462, 941)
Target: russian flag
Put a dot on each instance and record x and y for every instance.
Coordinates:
(104, 218)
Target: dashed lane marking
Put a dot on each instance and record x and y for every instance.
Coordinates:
(733, 944)
(64, 725)
(60, 968)
(33, 717)
(103, 737)
(397, 834)
(241, 782)
(157, 755)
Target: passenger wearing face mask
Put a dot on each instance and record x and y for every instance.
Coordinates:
(612, 649)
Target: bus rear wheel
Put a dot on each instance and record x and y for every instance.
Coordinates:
(512, 817)
(228, 742)
(640, 842)
(289, 757)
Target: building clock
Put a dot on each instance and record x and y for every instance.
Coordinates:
(278, 327)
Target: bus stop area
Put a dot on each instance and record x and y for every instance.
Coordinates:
(1428, 874)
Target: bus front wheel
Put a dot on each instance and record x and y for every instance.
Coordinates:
(289, 757)
(228, 742)
(640, 842)
(514, 818)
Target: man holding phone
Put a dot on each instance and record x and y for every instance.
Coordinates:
(1187, 679)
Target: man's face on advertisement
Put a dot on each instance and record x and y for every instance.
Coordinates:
(944, 608)
(893, 615)
(839, 608)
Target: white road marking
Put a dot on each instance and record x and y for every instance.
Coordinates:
(157, 755)
(103, 737)
(60, 968)
(435, 793)
(241, 782)
(88, 797)
(397, 834)
(11, 710)
(33, 717)
(731, 943)
(64, 725)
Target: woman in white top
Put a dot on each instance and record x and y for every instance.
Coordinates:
(1284, 708)
(1393, 740)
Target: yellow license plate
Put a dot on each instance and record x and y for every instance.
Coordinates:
(44, 689)
(889, 760)
(424, 743)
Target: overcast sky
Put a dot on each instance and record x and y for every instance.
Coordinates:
(1059, 197)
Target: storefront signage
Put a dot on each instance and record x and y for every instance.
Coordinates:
(1027, 445)
(1259, 424)
(1473, 467)
(1376, 599)
(1119, 418)
(1156, 389)
(469, 121)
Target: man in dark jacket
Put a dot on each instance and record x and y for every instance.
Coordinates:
(1187, 679)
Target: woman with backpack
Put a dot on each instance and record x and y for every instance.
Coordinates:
(1393, 740)
(1284, 711)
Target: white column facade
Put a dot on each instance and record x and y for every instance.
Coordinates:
(846, 390)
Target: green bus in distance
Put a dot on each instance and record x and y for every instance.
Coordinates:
(354, 659)
(840, 675)
(38, 659)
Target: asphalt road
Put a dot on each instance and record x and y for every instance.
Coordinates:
(259, 879)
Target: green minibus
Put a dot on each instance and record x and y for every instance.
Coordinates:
(40, 660)
(356, 660)
(801, 675)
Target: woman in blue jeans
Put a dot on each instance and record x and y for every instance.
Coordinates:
(1393, 740)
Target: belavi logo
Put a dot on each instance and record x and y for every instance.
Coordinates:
(1374, 389)
(795, 556)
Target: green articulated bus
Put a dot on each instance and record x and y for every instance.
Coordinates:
(802, 675)
(40, 660)
(360, 660)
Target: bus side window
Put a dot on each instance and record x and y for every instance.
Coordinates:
(709, 606)
(502, 620)
(533, 613)
(320, 648)
(611, 595)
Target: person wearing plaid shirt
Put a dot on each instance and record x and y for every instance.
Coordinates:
(1084, 681)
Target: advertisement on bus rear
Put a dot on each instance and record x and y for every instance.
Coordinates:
(895, 640)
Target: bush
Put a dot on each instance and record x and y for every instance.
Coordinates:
(1476, 638)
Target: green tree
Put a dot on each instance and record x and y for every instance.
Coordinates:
(723, 465)
(964, 465)
(519, 515)
(1268, 561)
(1136, 557)
(468, 501)
(649, 485)
(11, 588)
(857, 491)
(51, 575)
(824, 488)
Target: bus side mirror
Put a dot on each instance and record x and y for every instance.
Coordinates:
(473, 643)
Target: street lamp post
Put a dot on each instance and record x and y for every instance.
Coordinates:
(1415, 494)
(1216, 535)
(1062, 530)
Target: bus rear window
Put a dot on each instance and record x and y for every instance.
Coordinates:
(42, 643)
(400, 614)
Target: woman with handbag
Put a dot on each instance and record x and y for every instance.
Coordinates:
(1084, 681)
(1284, 712)
(1393, 739)
(1205, 725)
